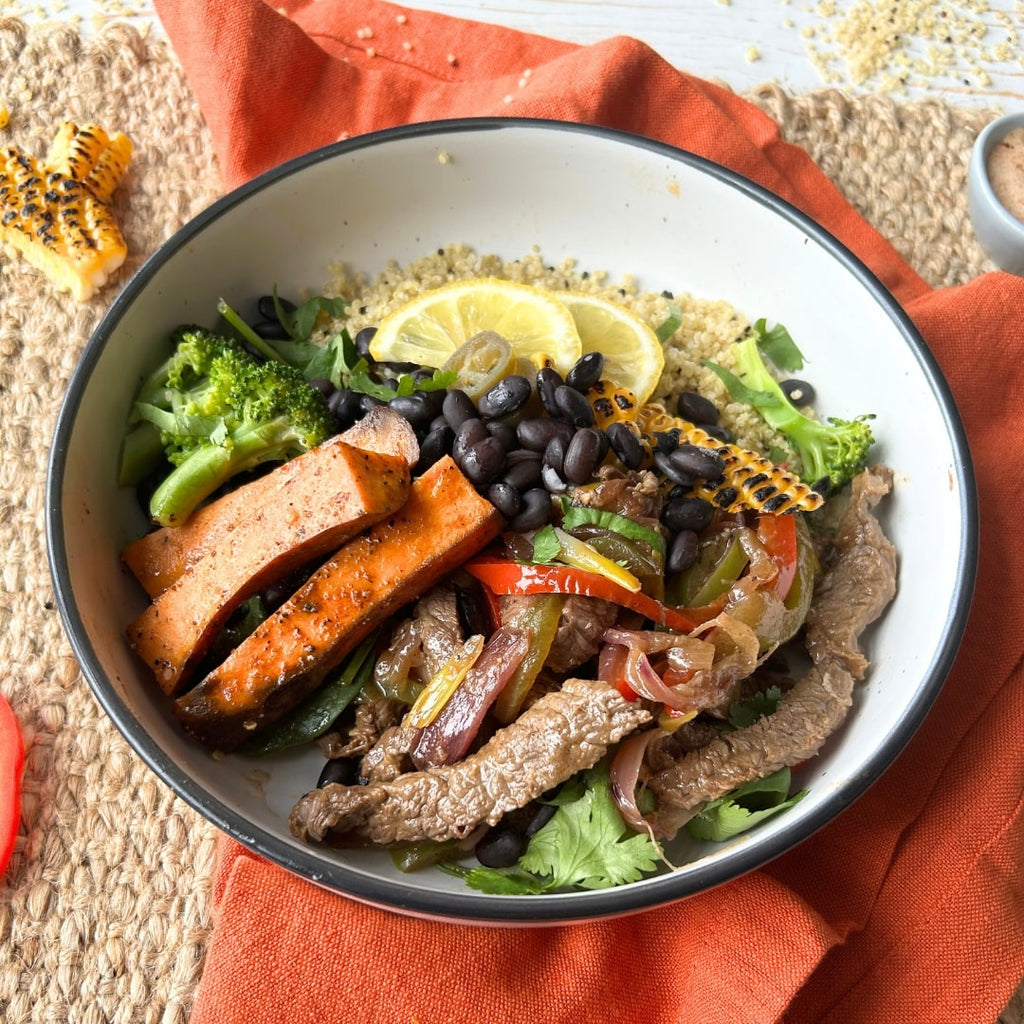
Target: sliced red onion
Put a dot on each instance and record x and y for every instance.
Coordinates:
(447, 738)
(624, 775)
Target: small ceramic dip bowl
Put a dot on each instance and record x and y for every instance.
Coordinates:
(995, 191)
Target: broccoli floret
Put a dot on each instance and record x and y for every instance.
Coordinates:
(831, 451)
(218, 411)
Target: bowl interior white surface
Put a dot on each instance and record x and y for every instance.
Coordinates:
(613, 202)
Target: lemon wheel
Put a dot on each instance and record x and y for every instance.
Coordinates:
(428, 329)
(633, 355)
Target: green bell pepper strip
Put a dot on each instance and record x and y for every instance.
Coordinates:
(315, 715)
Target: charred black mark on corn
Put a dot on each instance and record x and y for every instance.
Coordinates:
(748, 481)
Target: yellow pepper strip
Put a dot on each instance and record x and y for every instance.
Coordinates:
(444, 683)
(537, 616)
(581, 555)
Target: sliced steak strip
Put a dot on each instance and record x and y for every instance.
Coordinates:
(561, 734)
(860, 581)
(855, 590)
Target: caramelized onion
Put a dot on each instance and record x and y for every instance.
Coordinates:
(624, 774)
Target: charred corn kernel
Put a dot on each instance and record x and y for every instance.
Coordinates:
(443, 684)
(750, 481)
(89, 155)
(57, 221)
(611, 403)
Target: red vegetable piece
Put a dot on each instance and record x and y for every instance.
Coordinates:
(778, 535)
(507, 577)
(12, 761)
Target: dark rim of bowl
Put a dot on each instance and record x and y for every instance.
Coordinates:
(471, 906)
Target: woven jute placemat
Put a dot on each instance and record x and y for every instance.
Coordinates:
(105, 907)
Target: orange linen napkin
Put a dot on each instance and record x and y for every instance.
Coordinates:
(909, 907)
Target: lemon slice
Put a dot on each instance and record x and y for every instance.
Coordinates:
(428, 329)
(633, 355)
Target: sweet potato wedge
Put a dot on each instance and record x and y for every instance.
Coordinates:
(161, 556)
(443, 522)
(300, 511)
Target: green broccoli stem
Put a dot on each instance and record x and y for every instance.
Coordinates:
(262, 346)
(210, 466)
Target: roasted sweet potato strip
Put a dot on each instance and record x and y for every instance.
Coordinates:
(443, 522)
(158, 558)
(303, 511)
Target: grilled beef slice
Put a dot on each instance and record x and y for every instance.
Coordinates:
(562, 733)
(855, 589)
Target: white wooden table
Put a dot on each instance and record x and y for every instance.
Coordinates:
(799, 44)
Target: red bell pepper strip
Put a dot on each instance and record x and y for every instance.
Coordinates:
(504, 576)
(12, 760)
(778, 535)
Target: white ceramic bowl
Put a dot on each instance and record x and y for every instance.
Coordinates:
(614, 202)
(998, 231)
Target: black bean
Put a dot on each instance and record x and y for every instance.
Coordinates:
(362, 342)
(472, 610)
(368, 402)
(435, 445)
(671, 471)
(548, 379)
(799, 392)
(483, 461)
(505, 498)
(522, 473)
(538, 818)
(437, 422)
(266, 308)
(696, 408)
(582, 456)
(458, 407)
(682, 552)
(323, 385)
(626, 445)
(573, 406)
(415, 408)
(554, 455)
(687, 514)
(469, 433)
(504, 431)
(346, 406)
(535, 511)
(341, 770)
(536, 433)
(586, 371)
(697, 461)
(718, 432)
(504, 398)
(270, 330)
(500, 847)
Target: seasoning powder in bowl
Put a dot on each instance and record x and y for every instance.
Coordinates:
(1005, 166)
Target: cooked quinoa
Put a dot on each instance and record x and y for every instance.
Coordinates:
(709, 326)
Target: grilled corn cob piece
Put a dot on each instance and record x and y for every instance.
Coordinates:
(749, 481)
(89, 155)
(56, 220)
(611, 403)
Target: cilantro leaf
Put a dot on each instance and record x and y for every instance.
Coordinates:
(299, 322)
(779, 346)
(585, 845)
(747, 712)
(744, 807)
